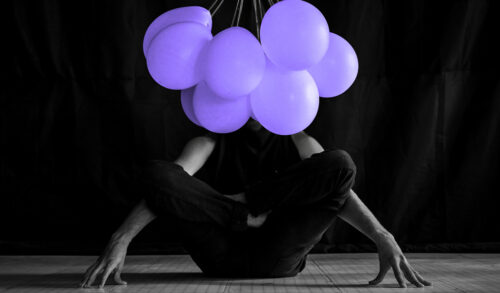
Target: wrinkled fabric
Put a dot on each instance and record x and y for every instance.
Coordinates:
(243, 157)
(303, 200)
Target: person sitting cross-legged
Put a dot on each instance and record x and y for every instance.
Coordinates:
(287, 192)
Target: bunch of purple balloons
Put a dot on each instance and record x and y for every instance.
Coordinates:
(227, 78)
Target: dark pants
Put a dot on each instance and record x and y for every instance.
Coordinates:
(304, 201)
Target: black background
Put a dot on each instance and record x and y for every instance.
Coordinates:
(79, 112)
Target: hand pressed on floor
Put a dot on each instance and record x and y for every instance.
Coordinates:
(391, 256)
(111, 261)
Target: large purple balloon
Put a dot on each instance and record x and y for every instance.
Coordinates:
(187, 104)
(218, 114)
(183, 14)
(173, 55)
(285, 102)
(234, 63)
(336, 72)
(294, 34)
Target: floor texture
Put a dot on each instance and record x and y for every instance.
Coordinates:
(324, 273)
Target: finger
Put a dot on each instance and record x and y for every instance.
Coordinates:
(118, 272)
(90, 270)
(118, 278)
(94, 274)
(105, 275)
(383, 269)
(87, 274)
(422, 280)
(399, 275)
(410, 276)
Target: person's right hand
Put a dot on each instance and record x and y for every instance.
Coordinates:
(391, 256)
(111, 261)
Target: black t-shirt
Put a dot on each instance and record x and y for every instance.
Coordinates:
(246, 156)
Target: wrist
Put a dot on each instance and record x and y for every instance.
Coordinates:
(119, 236)
(382, 236)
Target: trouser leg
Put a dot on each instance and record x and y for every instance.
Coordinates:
(304, 183)
(305, 200)
(211, 226)
(170, 190)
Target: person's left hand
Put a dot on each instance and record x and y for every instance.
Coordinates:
(111, 261)
(391, 256)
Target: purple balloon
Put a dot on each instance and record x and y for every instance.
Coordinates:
(172, 58)
(183, 14)
(336, 72)
(187, 104)
(294, 34)
(234, 63)
(285, 102)
(218, 114)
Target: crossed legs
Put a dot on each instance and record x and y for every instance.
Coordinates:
(303, 199)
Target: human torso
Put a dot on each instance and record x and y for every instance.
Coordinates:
(244, 157)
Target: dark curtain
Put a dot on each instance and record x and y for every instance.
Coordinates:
(79, 113)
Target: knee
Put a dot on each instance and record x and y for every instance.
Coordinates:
(338, 159)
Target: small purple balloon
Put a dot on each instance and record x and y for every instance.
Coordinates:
(187, 104)
(285, 102)
(336, 72)
(234, 63)
(183, 14)
(294, 34)
(173, 56)
(218, 114)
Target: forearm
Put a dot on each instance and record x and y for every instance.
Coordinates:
(357, 214)
(195, 154)
(138, 218)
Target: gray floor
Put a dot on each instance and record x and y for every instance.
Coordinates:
(324, 273)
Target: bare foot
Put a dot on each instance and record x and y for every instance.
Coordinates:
(256, 222)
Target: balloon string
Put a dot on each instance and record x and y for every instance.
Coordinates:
(216, 7)
(239, 13)
(233, 21)
(213, 5)
(261, 11)
(255, 9)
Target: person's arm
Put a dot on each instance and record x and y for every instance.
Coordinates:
(192, 158)
(195, 154)
(113, 257)
(306, 145)
(359, 216)
(355, 212)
